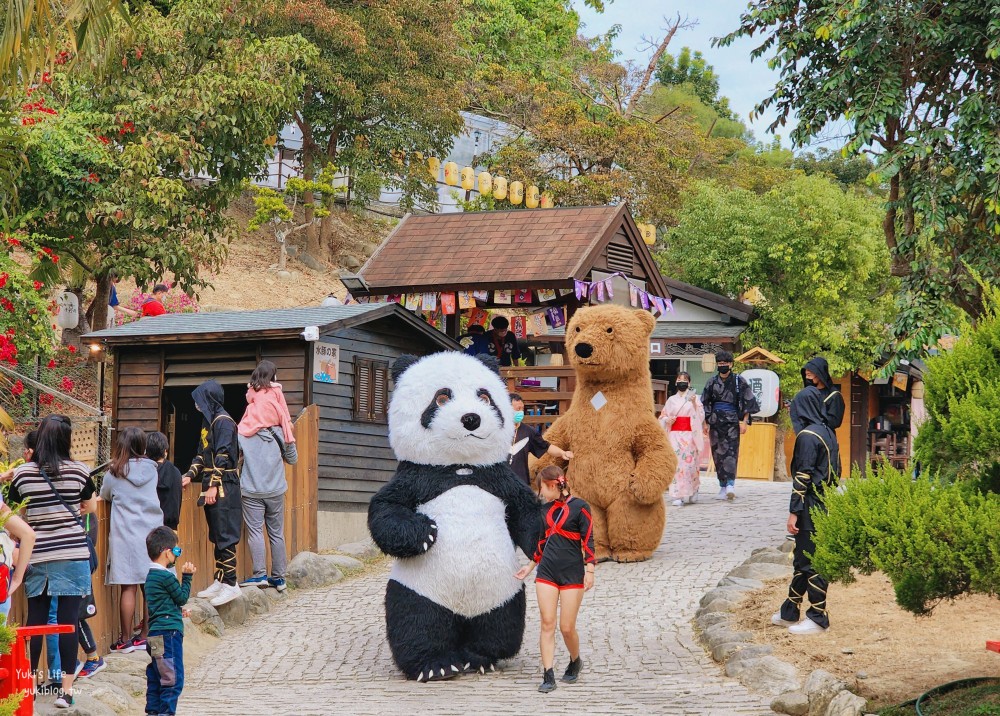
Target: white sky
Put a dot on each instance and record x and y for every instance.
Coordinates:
(744, 82)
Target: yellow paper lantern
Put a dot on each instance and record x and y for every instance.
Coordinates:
(531, 197)
(547, 202)
(485, 183)
(648, 233)
(271, 141)
(434, 166)
(499, 188)
(468, 178)
(516, 192)
(451, 174)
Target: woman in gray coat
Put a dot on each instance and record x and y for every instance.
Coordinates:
(130, 487)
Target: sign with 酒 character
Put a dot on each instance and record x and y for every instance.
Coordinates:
(326, 362)
(765, 386)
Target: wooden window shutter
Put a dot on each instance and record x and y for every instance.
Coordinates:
(371, 390)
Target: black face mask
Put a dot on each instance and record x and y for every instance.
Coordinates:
(682, 386)
(724, 369)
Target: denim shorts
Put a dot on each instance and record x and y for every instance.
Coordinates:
(64, 577)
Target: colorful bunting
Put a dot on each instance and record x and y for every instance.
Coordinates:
(519, 326)
(429, 301)
(522, 295)
(546, 294)
(483, 296)
(413, 301)
(502, 297)
(556, 316)
(465, 300)
(478, 317)
(538, 326)
(448, 304)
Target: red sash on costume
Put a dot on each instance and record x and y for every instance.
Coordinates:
(681, 425)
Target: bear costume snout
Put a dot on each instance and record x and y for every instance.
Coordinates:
(584, 350)
(471, 421)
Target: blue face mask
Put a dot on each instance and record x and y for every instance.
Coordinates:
(519, 416)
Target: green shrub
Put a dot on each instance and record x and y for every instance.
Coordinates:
(934, 539)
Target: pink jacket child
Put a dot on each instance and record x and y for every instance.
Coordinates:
(266, 408)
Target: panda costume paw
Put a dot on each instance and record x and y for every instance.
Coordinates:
(452, 516)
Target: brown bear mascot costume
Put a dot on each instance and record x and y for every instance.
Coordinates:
(622, 461)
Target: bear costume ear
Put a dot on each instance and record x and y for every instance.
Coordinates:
(489, 361)
(646, 320)
(401, 364)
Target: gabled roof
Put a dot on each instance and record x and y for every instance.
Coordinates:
(280, 323)
(759, 355)
(489, 250)
(708, 299)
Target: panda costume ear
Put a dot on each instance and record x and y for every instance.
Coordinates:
(401, 364)
(489, 361)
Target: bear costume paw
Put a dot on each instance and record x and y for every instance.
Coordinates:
(431, 536)
(439, 671)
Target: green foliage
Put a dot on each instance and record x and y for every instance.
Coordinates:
(914, 84)
(961, 436)
(24, 312)
(849, 171)
(692, 70)
(682, 98)
(934, 540)
(812, 250)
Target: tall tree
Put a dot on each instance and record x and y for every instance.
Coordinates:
(691, 69)
(914, 84)
(132, 173)
(384, 89)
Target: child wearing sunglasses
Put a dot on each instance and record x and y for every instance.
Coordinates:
(165, 597)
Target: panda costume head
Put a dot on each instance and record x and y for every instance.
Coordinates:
(450, 409)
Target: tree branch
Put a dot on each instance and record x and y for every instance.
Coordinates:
(653, 62)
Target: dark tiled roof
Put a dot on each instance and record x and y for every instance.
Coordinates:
(709, 299)
(159, 329)
(480, 247)
(681, 330)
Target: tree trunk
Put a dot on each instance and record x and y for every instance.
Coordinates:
(283, 254)
(780, 467)
(98, 311)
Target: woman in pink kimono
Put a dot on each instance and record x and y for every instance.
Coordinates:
(682, 418)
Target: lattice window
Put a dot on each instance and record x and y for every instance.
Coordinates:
(371, 390)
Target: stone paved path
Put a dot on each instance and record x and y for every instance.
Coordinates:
(323, 651)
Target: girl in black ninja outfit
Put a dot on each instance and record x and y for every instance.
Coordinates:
(566, 561)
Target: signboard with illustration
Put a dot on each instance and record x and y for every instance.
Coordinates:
(326, 362)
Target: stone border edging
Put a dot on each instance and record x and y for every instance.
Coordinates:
(754, 665)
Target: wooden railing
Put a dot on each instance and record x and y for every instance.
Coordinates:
(543, 404)
(301, 504)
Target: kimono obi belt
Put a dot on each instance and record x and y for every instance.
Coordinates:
(681, 424)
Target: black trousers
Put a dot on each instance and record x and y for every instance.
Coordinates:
(225, 523)
(724, 439)
(805, 580)
(68, 612)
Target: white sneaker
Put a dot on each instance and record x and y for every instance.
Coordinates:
(721, 495)
(806, 626)
(211, 591)
(677, 503)
(226, 594)
(778, 621)
(730, 493)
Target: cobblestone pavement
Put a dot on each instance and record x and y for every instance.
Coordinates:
(324, 652)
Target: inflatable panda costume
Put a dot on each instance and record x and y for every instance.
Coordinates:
(452, 516)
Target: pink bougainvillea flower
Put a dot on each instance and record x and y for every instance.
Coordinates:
(52, 363)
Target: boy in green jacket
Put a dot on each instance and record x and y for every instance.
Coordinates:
(165, 597)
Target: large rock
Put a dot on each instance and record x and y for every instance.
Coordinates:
(132, 684)
(236, 612)
(123, 664)
(769, 556)
(83, 705)
(787, 546)
(314, 263)
(309, 570)
(723, 634)
(770, 676)
(717, 605)
(738, 662)
(721, 652)
(821, 686)
(704, 621)
(733, 594)
(749, 584)
(257, 600)
(111, 695)
(349, 262)
(763, 572)
(365, 549)
(273, 595)
(348, 564)
(845, 704)
(206, 617)
(793, 703)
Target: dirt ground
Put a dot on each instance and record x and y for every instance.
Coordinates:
(901, 654)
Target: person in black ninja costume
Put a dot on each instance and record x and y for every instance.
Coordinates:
(817, 373)
(217, 466)
(813, 459)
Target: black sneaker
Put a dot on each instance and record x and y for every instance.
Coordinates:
(65, 700)
(548, 682)
(573, 671)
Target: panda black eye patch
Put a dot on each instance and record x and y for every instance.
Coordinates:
(440, 398)
(485, 396)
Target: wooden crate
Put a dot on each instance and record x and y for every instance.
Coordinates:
(756, 460)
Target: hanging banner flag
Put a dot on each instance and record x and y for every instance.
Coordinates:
(502, 297)
(598, 288)
(608, 288)
(394, 298)
(465, 300)
(478, 317)
(522, 295)
(644, 300)
(546, 294)
(483, 296)
(429, 302)
(538, 326)
(658, 305)
(581, 289)
(413, 301)
(519, 326)
(556, 317)
(633, 295)
(668, 304)
(448, 304)
(565, 292)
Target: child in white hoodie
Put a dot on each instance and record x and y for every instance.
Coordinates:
(130, 486)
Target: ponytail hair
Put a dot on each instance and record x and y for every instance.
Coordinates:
(555, 474)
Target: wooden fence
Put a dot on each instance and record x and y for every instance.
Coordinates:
(301, 504)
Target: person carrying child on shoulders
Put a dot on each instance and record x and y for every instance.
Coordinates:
(165, 673)
(566, 562)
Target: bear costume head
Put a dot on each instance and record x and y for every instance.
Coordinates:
(610, 343)
(450, 409)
